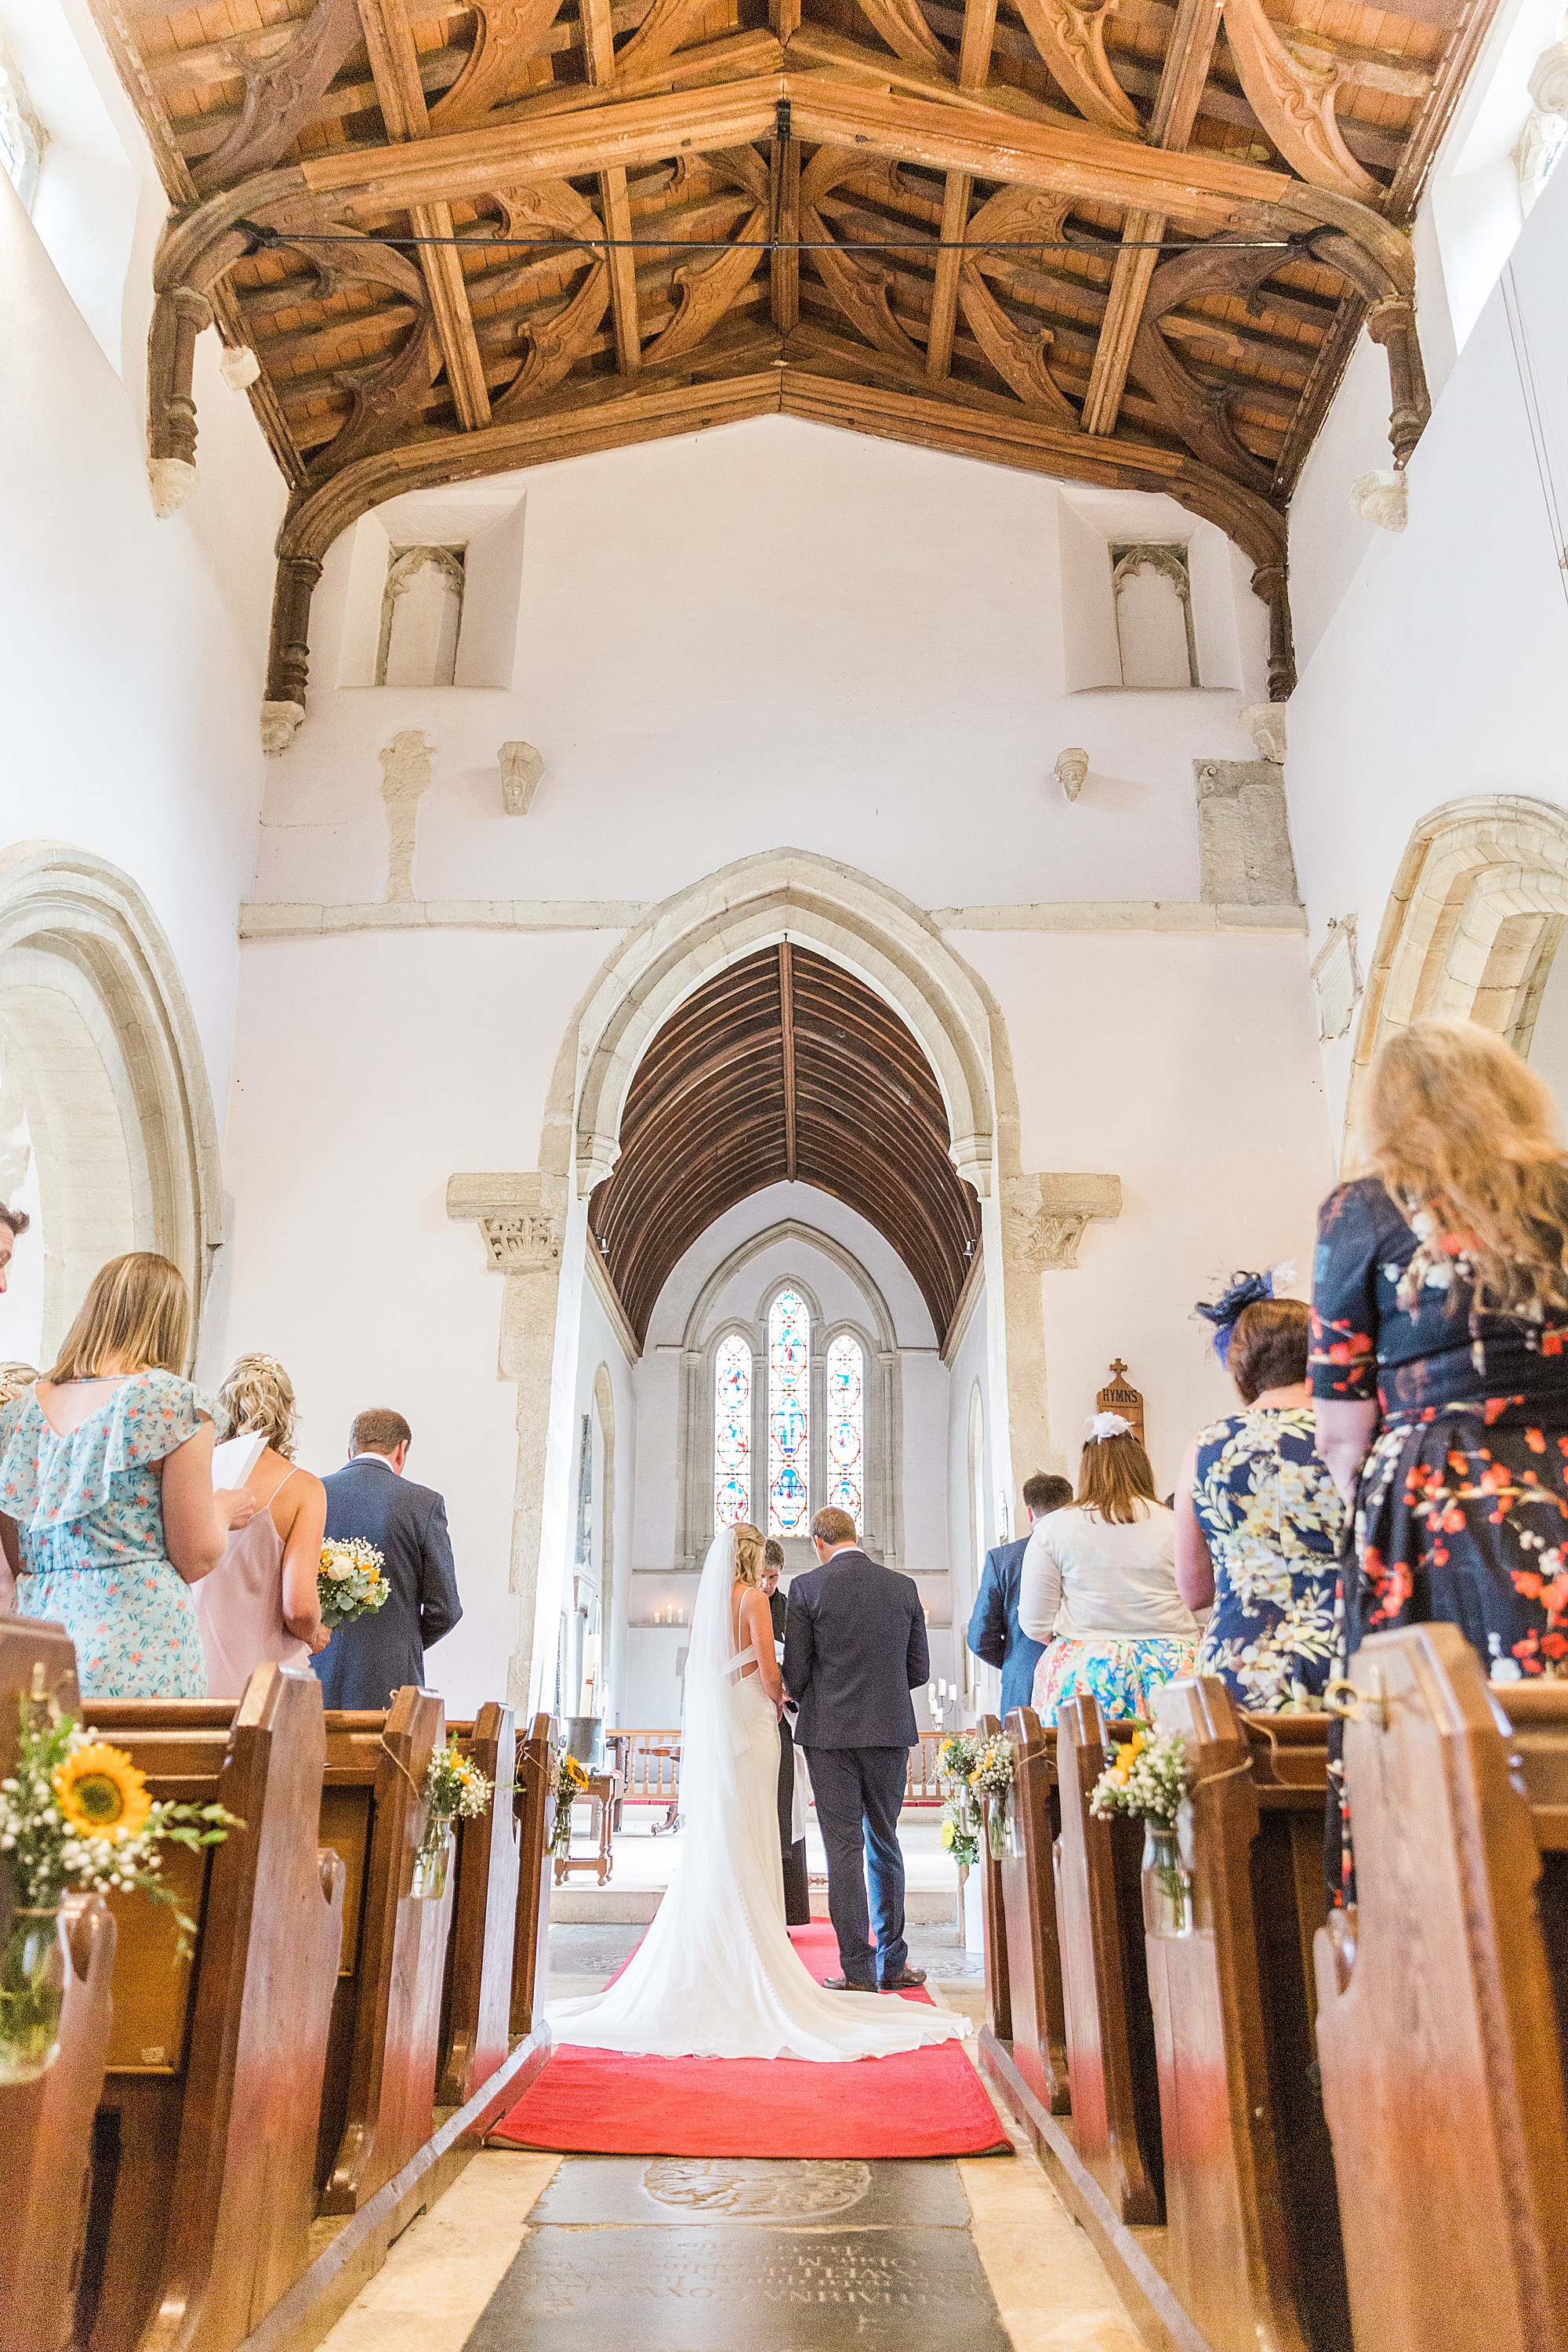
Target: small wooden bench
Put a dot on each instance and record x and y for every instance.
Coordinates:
(202, 2189)
(45, 2126)
(1112, 2072)
(475, 2012)
(1026, 1893)
(378, 2100)
(1253, 2244)
(1443, 2020)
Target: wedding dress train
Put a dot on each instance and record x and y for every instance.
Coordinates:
(716, 1976)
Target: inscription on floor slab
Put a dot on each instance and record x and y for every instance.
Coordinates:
(712, 2288)
(678, 2190)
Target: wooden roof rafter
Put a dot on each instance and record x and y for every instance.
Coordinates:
(946, 224)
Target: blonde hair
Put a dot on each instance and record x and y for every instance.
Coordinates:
(749, 1547)
(1460, 1127)
(257, 1400)
(1113, 1478)
(138, 1309)
(15, 1379)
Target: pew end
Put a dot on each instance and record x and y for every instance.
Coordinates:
(1252, 2213)
(1022, 1889)
(475, 2010)
(535, 1813)
(1442, 2024)
(994, 1915)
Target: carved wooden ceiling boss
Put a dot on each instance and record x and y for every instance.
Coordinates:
(1129, 243)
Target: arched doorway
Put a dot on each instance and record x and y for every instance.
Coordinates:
(104, 1099)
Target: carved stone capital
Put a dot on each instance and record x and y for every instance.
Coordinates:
(1043, 1216)
(280, 722)
(1381, 497)
(1265, 722)
(520, 770)
(172, 481)
(523, 1218)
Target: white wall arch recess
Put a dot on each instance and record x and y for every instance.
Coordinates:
(897, 952)
(1473, 919)
(97, 1029)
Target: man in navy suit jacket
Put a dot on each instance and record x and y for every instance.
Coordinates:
(370, 1658)
(855, 1647)
(995, 1634)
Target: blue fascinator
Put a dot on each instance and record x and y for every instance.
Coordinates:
(1242, 1290)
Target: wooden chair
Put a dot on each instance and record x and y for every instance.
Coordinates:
(994, 1911)
(1026, 1887)
(1442, 2020)
(535, 1812)
(378, 2103)
(1253, 2249)
(476, 2022)
(45, 2128)
(1112, 2074)
(203, 2191)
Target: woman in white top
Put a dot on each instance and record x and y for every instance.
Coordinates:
(1099, 1585)
(262, 1600)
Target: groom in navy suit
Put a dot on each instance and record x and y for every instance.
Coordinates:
(855, 1647)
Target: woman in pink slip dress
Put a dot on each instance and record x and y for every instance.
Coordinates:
(261, 1601)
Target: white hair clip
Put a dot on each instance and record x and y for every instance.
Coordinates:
(1101, 1425)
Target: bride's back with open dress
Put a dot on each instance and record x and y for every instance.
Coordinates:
(717, 1976)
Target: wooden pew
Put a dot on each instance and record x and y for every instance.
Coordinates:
(1027, 1895)
(993, 1908)
(535, 1805)
(1442, 2019)
(378, 2099)
(45, 2126)
(202, 2189)
(1253, 2249)
(476, 2016)
(1112, 2072)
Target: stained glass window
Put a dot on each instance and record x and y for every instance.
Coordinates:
(847, 1427)
(789, 1415)
(731, 1432)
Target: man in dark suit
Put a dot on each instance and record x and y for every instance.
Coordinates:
(995, 1634)
(366, 1661)
(797, 1879)
(855, 1647)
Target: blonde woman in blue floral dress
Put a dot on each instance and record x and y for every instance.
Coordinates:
(1258, 1518)
(107, 1510)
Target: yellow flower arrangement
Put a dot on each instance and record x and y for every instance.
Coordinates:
(102, 1794)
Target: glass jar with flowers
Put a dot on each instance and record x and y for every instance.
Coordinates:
(75, 1817)
(1149, 1780)
(571, 1782)
(455, 1790)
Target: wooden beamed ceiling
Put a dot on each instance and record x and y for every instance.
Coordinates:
(784, 1067)
(1129, 242)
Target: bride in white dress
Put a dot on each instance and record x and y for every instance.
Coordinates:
(716, 1976)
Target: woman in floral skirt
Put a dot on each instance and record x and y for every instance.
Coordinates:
(1439, 1326)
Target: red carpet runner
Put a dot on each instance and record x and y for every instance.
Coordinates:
(603, 2103)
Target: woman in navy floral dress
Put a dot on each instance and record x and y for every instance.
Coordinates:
(1440, 1352)
(107, 1510)
(1259, 1517)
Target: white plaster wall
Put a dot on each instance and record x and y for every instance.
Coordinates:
(772, 633)
(130, 650)
(371, 1069)
(1444, 670)
(1184, 1066)
(971, 1363)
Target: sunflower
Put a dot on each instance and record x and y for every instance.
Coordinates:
(102, 1794)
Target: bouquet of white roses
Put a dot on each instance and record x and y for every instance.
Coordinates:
(350, 1580)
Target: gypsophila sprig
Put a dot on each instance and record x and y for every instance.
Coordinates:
(76, 1818)
(957, 1755)
(350, 1580)
(992, 1774)
(1150, 1776)
(455, 1787)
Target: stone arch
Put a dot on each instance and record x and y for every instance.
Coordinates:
(846, 916)
(111, 1073)
(611, 1635)
(1475, 915)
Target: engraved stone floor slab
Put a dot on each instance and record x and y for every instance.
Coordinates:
(713, 2287)
(675, 2190)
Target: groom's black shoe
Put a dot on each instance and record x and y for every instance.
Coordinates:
(906, 1981)
(844, 1984)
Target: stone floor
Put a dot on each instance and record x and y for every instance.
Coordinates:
(582, 2254)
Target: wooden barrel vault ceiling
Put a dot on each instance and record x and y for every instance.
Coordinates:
(1129, 242)
(783, 1069)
